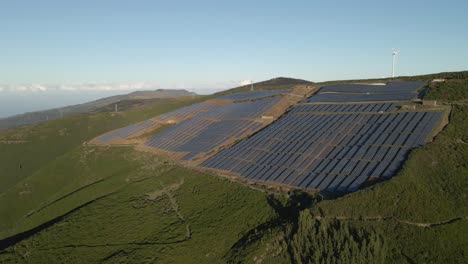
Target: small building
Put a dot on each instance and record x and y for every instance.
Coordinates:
(438, 80)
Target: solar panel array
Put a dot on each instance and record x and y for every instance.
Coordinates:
(392, 91)
(181, 114)
(341, 97)
(336, 108)
(198, 135)
(211, 129)
(189, 111)
(390, 87)
(328, 151)
(248, 109)
(127, 131)
(253, 94)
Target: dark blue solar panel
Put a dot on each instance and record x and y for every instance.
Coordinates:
(189, 111)
(334, 108)
(211, 128)
(249, 109)
(392, 91)
(127, 131)
(253, 94)
(366, 97)
(410, 86)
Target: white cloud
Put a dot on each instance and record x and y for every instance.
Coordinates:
(110, 86)
(80, 87)
(38, 88)
(245, 82)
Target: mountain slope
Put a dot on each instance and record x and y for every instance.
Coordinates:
(101, 204)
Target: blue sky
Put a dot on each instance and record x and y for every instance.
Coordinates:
(217, 44)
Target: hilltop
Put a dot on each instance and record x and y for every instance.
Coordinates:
(272, 84)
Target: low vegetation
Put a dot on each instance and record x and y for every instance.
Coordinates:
(450, 90)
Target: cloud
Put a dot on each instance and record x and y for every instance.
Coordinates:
(80, 87)
(24, 88)
(109, 86)
(245, 82)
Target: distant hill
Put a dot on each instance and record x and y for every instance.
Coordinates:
(41, 116)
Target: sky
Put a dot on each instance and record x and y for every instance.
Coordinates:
(48, 46)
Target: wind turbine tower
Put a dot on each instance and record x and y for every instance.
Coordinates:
(394, 54)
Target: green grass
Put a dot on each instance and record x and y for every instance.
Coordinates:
(196, 219)
(67, 182)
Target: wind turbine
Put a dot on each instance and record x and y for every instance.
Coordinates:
(394, 54)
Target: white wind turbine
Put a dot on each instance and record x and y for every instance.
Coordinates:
(394, 54)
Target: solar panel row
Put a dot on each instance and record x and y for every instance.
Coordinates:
(308, 108)
(392, 91)
(208, 130)
(177, 135)
(236, 110)
(253, 94)
(362, 97)
(127, 131)
(249, 109)
(409, 86)
(216, 134)
(332, 152)
(197, 135)
(189, 111)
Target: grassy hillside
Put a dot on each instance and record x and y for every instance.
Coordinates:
(138, 208)
(37, 163)
(80, 203)
(23, 151)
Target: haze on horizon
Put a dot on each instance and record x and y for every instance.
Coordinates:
(206, 46)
